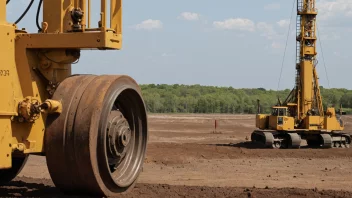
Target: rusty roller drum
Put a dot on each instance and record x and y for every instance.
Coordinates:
(97, 145)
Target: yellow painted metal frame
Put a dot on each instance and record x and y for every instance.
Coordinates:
(306, 67)
(32, 62)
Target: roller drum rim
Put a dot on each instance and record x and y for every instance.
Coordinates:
(87, 163)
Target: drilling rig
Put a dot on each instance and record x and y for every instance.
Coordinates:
(92, 129)
(301, 115)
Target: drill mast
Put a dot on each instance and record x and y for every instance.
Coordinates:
(306, 94)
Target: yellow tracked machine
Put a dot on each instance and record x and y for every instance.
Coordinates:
(92, 129)
(301, 115)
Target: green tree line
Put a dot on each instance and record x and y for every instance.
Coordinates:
(162, 98)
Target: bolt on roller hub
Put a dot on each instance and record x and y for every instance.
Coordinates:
(100, 138)
(119, 136)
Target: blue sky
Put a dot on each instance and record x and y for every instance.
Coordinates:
(221, 43)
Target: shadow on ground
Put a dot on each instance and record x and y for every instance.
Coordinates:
(24, 189)
(248, 145)
(251, 145)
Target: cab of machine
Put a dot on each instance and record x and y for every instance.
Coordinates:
(280, 119)
(279, 111)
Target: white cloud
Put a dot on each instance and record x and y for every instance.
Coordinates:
(328, 8)
(330, 35)
(149, 25)
(189, 16)
(277, 45)
(167, 55)
(272, 6)
(23, 2)
(263, 28)
(267, 30)
(283, 23)
(235, 24)
(340, 55)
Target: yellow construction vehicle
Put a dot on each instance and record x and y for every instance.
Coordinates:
(92, 129)
(301, 115)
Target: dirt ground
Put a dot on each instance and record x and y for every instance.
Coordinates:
(186, 157)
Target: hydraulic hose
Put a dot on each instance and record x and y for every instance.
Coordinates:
(25, 12)
(37, 17)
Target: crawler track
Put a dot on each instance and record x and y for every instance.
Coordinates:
(277, 140)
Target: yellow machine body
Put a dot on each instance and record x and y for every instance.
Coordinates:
(24, 53)
(262, 121)
(35, 66)
(284, 122)
(278, 120)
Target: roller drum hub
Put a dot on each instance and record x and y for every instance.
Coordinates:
(119, 137)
